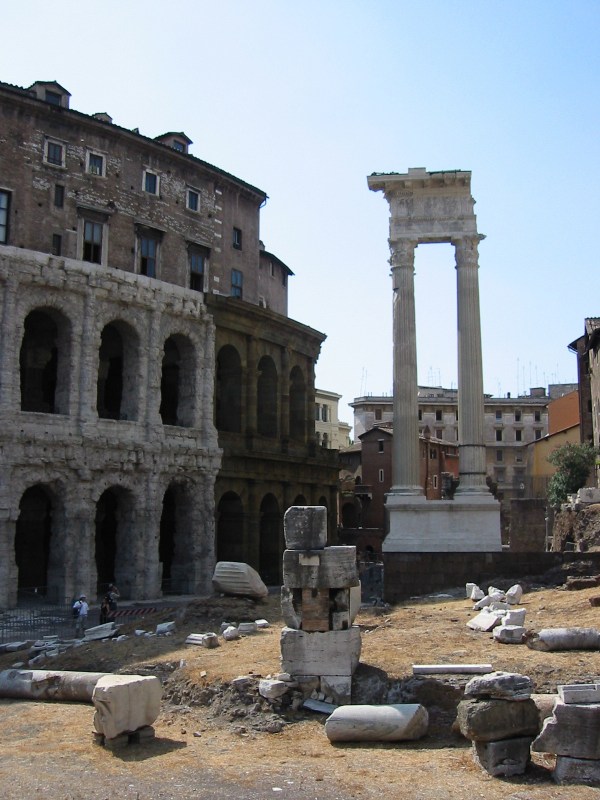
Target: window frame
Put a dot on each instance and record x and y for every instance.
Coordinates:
(149, 173)
(94, 154)
(236, 240)
(56, 244)
(95, 248)
(59, 195)
(5, 213)
(49, 142)
(189, 192)
(148, 263)
(197, 252)
(237, 283)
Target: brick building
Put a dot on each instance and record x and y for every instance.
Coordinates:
(156, 402)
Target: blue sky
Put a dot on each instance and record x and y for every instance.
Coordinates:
(305, 99)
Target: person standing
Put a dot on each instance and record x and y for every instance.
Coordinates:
(113, 595)
(81, 609)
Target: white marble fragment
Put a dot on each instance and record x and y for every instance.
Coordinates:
(125, 703)
(272, 689)
(579, 693)
(485, 620)
(509, 634)
(477, 593)
(230, 633)
(515, 616)
(238, 578)
(514, 594)
(165, 627)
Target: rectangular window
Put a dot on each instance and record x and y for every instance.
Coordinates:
(381, 476)
(499, 414)
(439, 433)
(435, 481)
(378, 414)
(59, 195)
(92, 241)
(148, 256)
(324, 413)
(438, 415)
(237, 283)
(4, 208)
(420, 415)
(537, 416)
(56, 244)
(55, 153)
(151, 182)
(237, 238)
(518, 458)
(196, 262)
(380, 445)
(193, 200)
(499, 455)
(538, 434)
(518, 435)
(317, 411)
(95, 164)
(499, 434)
(433, 453)
(517, 415)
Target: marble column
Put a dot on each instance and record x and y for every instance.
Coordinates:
(470, 369)
(405, 454)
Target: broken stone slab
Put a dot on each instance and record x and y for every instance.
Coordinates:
(237, 578)
(469, 589)
(165, 627)
(553, 639)
(305, 527)
(125, 703)
(498, 605)
(576, 770)
(485, 620)
(261, 624)
(330, 653)
(105, 631)
(477, 593)
(338, 688)
(504, 757)
(509, 634)
(574, 693)
(514, 594)
(572, 730)
(208, 640)
(483, 603)
(545, 705)
(291, 616)
(230, 633)
(467, 669)
(272, 689)
(494, 592)
(384, 723)
(247, 628)
(34, 684)
(319, 705)
(330, 568)
(493, 720)
(12, 647)
(500, 685)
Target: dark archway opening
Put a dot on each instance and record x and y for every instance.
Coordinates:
(169, 383)
(230, 528)
(107, 510)
(110, 374)
(38, 362)
(297, 405)
(270, 550)
(228, 391)
(266, 398)
(166, 545)
(32, 540)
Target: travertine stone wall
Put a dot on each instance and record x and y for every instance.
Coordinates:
(75, 456)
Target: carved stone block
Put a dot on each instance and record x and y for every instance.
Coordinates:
(331, 568)
(305, 527)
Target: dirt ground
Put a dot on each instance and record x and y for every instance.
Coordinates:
(215, 741)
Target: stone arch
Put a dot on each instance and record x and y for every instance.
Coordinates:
(299, 500)
(297, 404)
(230, 528)
(270, 541)
(118, 364)
(266, 397)
(176, 539)
(228, 390)
(178, 384)
(44, 361)
(114, 537)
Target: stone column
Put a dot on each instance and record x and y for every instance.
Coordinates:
(405, 453)
(470, 370)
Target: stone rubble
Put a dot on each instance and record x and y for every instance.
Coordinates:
(497, 613)
(500, 717)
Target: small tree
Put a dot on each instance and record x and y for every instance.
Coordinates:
(573, 463)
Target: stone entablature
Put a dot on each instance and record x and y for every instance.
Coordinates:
(74, 456)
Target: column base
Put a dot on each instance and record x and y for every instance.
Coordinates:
(470, 524)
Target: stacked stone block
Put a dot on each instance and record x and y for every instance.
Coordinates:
(500, 718)
(319, 641)
(572, 733)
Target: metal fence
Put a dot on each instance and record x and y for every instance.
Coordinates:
(34, 622)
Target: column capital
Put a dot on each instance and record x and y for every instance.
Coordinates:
(466, 249)
(402, 252)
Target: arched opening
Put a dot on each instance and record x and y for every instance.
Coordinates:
(110, 374)
(177, 384)
(169, 383)
(175, 547)
(297, 405)
(32, 540)
(44, 362)
(266, 397)
(228, 390)
(230, 528)
(107, 523)
(300, 500)
(270, 550)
